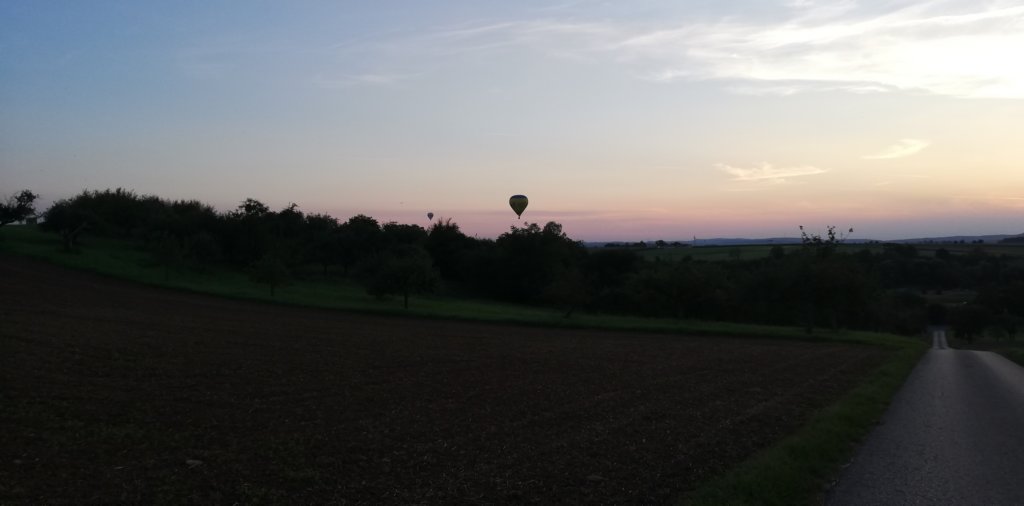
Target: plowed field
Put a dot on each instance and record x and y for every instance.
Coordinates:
(114, 392)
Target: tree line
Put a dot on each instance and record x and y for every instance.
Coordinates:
(813, 285)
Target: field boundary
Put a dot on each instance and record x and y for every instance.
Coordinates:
(795, 470)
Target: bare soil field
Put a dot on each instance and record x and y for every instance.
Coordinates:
(112, 392)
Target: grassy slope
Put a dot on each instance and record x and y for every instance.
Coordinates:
(793, 471)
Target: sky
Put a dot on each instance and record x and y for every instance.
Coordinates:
(620, 120)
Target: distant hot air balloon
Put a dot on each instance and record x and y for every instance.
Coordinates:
(430, 216)
(518, 204)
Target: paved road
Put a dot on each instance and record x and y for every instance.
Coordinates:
(954, 434)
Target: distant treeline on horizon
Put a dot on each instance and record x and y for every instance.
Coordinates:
(816, 284)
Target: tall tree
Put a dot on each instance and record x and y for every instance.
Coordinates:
(69, 218)
(360, 240)
(528, 259)
(401, 270)
(448, 246)
(322, 240)
(18, 207)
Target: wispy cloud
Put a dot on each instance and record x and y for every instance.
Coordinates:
(767, 172)
(348, 81)
(786, 88)
(946, 48)
(564, 39)
(905, 147)
(959, 48)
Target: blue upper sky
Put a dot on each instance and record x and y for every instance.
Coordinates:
(620, 120)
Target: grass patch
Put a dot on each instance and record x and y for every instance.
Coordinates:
(797, 469)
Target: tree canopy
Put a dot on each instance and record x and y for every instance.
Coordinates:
(18, 207)
(816, 284)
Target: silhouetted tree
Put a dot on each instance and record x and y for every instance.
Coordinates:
(69, 218)
(394, 234)
(606, 271)
(402, 270)
(323, 242)
(286, 229)
(252, 208)
(815, 284)
(899, 251)
(818, 276)
(528, 259)
(18, 207)
(822, 246)
(449, 247)
(121, 213)
(271, 271)
(1007, 325)
(969, 321)
(1003, 290)
(568, 289)
(900, 312)
(247, 233)
(360, 240)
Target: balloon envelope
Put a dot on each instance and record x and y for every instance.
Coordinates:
(430, 216)
(518, 204)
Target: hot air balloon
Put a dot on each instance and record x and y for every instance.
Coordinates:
(518, 204)
(430, 216)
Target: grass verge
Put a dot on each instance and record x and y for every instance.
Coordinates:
(797, 469)
(1012, 349)
(1016, 355)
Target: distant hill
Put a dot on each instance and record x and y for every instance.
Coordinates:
(740, 241)
(718, 241)
(955, 238)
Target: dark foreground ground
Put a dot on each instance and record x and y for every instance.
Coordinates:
(114, 392)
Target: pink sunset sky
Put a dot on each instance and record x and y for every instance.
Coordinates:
(640, 120)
